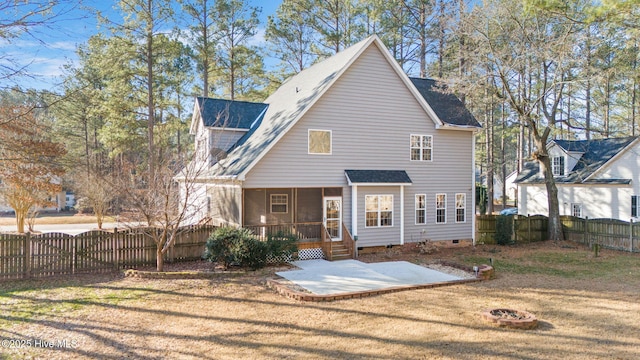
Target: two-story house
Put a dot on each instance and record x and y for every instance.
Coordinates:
(350, 148)
(595, 179)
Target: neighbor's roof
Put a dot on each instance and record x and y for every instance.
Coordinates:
(595, 154)
(447, 106)
(377, 177)
(229, 114)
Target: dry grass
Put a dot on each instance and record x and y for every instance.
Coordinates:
(588, 308)
(57, 219)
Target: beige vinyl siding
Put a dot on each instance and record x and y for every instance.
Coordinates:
(224, 139)
(225, 204)
(372, 114)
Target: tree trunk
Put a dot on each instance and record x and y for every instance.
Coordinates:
(159, 258)
(555, 226)
(20, 221)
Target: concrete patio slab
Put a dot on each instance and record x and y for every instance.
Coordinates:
(323, 277)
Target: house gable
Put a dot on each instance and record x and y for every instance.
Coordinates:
(300, 93)
(595, 155)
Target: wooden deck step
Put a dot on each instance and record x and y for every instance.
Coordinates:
(339, 251)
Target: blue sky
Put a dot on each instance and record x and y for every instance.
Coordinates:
(48, 49)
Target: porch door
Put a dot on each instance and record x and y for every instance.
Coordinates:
(333, 217)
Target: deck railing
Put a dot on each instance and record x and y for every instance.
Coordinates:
(307, 231)
(327, 249)
(349, 242)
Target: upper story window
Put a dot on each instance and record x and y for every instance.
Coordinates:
(279, 203)
(421, 147)
(557, 165)
(378, 210)
(320, 142)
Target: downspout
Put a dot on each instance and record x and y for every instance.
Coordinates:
(354, 212)
(473, 188)
(401, 214)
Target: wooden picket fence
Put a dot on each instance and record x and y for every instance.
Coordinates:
(607, 233)
(32, 256)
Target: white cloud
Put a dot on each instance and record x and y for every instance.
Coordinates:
(259, 38)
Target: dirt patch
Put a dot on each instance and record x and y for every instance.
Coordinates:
(587, 307)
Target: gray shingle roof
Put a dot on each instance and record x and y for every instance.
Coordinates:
(596, 153)
(447, 106)
(229, 114)
(377, 177)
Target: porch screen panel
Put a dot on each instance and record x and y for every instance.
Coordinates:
(254, 206)
(309, 206)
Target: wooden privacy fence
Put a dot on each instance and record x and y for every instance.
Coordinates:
(29, 256)
(608, 233)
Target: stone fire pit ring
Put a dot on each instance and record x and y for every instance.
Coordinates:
(513, 319)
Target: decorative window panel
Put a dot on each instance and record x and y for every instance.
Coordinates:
(320, 142)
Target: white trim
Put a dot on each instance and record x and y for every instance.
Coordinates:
(354, 210)
(193, 129)
(378, 184)
(330, 141)
(324, 214)
(401, 215)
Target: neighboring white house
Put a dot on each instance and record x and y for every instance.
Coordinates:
(511, 186)
(595, 179)
(351, 147)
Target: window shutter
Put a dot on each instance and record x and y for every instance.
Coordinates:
(561, 166)
(634, 206)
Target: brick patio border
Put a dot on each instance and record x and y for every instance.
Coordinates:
(485, 272)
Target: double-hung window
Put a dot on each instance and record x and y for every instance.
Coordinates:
(441, 208)
(378, 210)
(557, 165)
(421, 209)
(421, 147)
(576, 209)
(461, 205)
(279, 203)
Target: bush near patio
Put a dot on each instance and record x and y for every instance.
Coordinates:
(230, 246)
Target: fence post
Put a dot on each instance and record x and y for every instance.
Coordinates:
(585, 236)
(631, 235)
(114, 245)
(27, 255)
